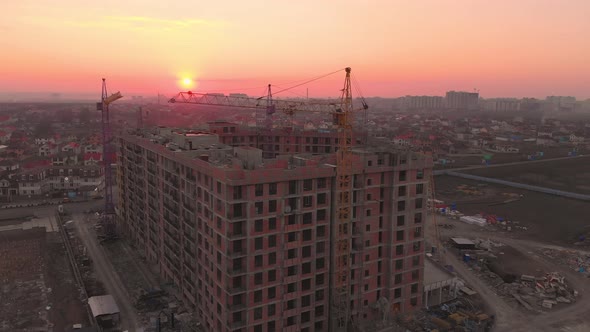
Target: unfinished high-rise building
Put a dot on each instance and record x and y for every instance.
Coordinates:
(247, 240)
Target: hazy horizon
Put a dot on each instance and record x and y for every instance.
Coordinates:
(40, 96)
(503, 49)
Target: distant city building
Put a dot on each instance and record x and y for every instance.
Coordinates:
(561, 103)
(460, 100)
(500, 105)
(421, 102)
(530, 104)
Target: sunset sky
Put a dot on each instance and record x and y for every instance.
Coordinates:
(502, 48)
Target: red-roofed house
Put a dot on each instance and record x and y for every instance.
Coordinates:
(71, 147)
(92, 158)
(93, 148)
(36, 163)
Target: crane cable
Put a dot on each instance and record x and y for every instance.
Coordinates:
(308, 81)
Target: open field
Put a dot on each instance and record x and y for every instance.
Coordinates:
(567, 174)
(38, 291)
(548, 218)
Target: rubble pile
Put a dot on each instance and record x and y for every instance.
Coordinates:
(532, 293)
(545, 291)
(573, 259)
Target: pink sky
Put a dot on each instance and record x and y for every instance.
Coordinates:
(502, 48)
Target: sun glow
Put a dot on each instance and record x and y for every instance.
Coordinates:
(186, 81)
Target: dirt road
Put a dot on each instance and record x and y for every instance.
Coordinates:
(105, 272)
(570, 318)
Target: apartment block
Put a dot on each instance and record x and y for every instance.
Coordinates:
(51, 179)
(247, 240)
(461, 100)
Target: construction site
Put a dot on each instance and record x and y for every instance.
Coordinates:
(278, 229)
(225, 227)
(517, 235)
(281, 228)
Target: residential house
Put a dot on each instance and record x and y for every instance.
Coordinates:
(72, 147)
(44, 140)
(9, 165)
(74, 178)
(48, 149)
(92, 158)
(93, 148)
(32, 181)
(65, 159)
(8, 187)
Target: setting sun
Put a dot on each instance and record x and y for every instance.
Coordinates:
(187, 81)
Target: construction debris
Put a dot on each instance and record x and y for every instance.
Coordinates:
(532, 293)
(576, 260)
(463, 314)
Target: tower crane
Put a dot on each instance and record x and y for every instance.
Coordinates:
(266, 103)
(342, 116)
(109, 207)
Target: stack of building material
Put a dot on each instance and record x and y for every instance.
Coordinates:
(473, 220)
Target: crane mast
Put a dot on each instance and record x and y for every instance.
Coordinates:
(340, 297)
(270, 110)
(109, 207)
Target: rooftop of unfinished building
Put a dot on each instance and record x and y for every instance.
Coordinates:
(223, 156)
(193, 133)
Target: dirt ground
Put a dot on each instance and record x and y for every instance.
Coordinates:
(548, 218)
(568, 175)
(67, 309)
(37, 287)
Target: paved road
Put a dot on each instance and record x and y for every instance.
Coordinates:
(105, 271)
(568, 318)
(49, 210)
(443, 171)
